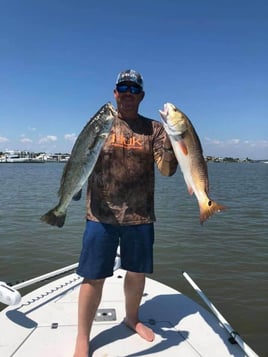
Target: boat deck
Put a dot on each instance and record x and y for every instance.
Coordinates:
(45, 324)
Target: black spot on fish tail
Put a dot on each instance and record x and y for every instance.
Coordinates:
(206, 211)
(55, 220)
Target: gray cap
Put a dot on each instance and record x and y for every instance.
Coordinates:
(130, 75)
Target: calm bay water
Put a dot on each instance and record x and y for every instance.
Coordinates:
(227, 256)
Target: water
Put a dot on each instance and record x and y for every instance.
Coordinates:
(226, 257)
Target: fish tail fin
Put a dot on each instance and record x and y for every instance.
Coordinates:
(54, 217)
(208, 208)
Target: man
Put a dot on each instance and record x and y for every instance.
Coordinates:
(120, 208)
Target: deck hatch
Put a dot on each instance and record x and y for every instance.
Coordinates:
(105, 315)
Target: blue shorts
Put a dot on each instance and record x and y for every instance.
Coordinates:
(100, 242)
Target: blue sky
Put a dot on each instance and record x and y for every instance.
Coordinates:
(59, 60)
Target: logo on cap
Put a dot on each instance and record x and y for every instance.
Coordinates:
(130, 76)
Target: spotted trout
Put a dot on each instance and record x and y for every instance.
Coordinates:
(82, 161)
(189, 153)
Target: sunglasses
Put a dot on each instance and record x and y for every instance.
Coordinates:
(123, 88)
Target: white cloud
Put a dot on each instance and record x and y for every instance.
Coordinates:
(31, 128)
(26, 141)
(213, 141)
(3, 140)
(264, 143)
(235, 141)
(70, 137)
(255, 149)
(48, 139)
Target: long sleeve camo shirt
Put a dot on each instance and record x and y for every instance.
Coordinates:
(121, 187)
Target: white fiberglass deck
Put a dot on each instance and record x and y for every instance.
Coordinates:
(44, 324)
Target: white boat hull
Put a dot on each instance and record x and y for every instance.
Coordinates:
(44, 324)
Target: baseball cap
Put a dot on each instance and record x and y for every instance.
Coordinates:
(130, 75)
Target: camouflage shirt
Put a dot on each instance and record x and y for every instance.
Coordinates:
(121, 187)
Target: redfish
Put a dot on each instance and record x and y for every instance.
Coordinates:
(189, 153)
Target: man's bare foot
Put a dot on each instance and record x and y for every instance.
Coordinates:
(81, 347)
(141, 329)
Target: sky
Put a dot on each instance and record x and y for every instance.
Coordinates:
(59, 60)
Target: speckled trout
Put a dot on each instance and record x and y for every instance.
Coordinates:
(79, 167)
(189, 153)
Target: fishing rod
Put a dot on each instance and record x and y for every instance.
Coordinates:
(10, 295)
(234, 335)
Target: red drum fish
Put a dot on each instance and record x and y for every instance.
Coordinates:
(189, 153)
